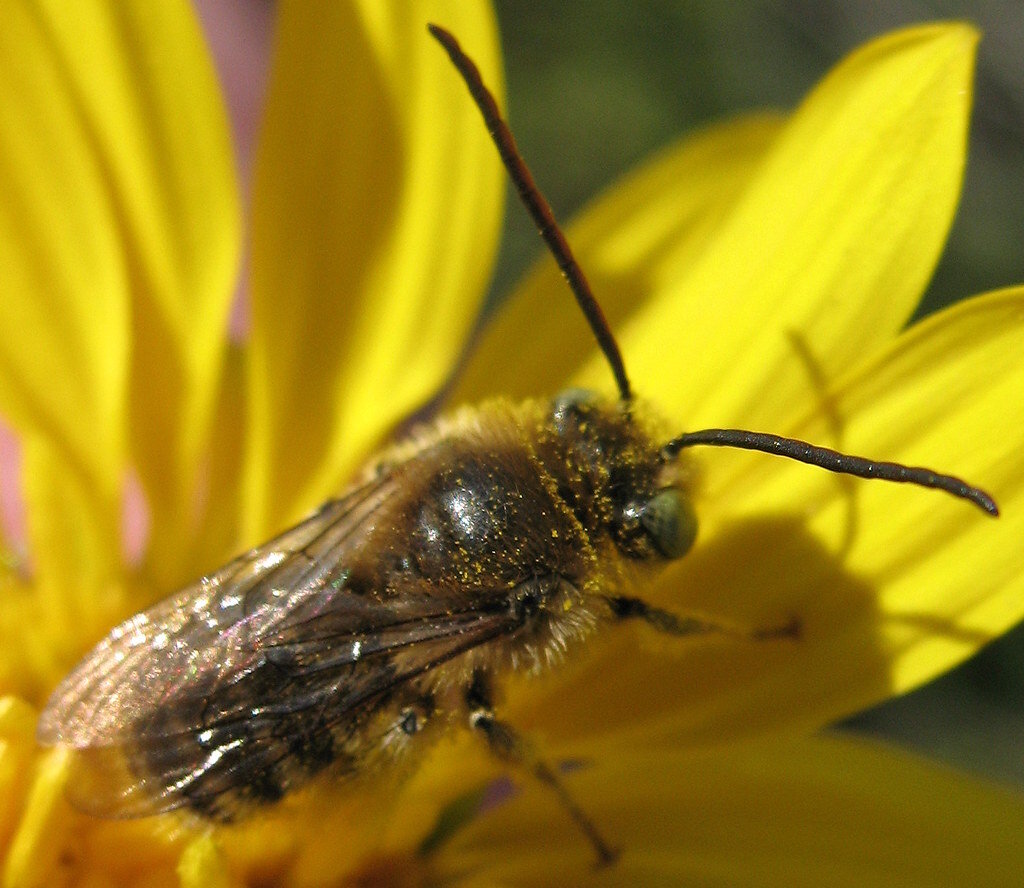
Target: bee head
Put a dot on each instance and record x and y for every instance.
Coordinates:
(616, 479)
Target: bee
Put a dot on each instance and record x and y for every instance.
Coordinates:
(493, 541)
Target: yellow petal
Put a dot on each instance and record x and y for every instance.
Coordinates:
(32, 858)
(375, 216)
(635, 240)
(807, 813)
(945, 578)
(183, 237)
(28, 665)
(69, 602)
(63, 359)
(120, 218)
(217, 534)
(830, 247)
(76, 549)
(891, 584)
(826, 252)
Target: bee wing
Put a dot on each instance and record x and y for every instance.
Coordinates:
(208, 631)
(249, 681)
(220, 750)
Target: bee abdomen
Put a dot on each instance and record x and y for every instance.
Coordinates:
(218, 773)
(224, 750)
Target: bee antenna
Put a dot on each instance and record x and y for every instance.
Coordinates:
(537, 206)
(833, 461)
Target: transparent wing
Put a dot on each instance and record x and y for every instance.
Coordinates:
(247, 682)
(207, 632)
(252, 738)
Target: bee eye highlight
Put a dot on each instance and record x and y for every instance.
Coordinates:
(670, 522)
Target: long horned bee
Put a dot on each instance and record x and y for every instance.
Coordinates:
(489, 542)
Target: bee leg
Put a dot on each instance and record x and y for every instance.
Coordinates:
(508, 745)
(625, 608)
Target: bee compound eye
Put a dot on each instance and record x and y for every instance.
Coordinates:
(670, 521)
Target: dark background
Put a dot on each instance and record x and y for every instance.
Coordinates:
(595, 87)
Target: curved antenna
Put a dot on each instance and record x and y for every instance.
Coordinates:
(537, 206)
(833, 461)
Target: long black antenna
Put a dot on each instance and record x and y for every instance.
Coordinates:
(833, 461)
(537, 206)
(540, 210)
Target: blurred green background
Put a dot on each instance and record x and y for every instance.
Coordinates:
(595, 87)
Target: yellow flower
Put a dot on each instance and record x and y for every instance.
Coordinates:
(757, 275)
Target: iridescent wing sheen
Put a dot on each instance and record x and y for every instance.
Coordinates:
(208, 630)
(261, 733)
(216, 687)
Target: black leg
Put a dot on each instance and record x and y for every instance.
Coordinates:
(506, 743)
(624, 608)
